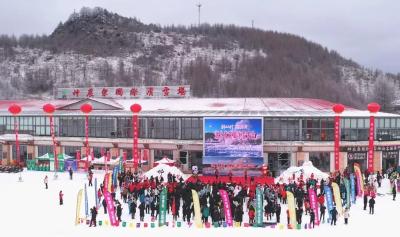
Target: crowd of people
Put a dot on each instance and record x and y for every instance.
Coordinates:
(143, 196)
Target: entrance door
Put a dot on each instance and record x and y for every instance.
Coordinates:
(278, 162)
(388, 163)
(23, 153)
(196, 159)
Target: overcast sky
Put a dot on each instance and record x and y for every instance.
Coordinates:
(367, 31)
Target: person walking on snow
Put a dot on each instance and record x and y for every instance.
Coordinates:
(333, 214)
(90, 177)
(46, 181)
(346, 216)
(371, 205)
(119, 211)
(393, 192)
(93, 212)
(70, 173)
(60, 196)
(104, 205)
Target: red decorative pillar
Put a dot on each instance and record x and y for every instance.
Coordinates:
(15, 109)
(338, 109)
(86, 109)
(373, 109)
(49, 110)
(135, 108)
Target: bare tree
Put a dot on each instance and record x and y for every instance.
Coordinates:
(384, 93)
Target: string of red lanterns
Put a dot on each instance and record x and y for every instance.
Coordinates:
(135, 108)
(50, 109)
(86, 109)
(338, 109)
(373, 109)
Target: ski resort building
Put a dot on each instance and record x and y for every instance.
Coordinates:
(294, 130)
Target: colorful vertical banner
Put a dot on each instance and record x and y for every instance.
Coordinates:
(227, 207)
(86, 203)
(336, 144)
(338, 199)
(292, 209)
(115, 176)
(78, 206)
(197, 211)
(109, 182)
(371, 144)
(106, 180)
(163, 207)
(360, 180)
(353, 188)
(259, 207)
(110, 209)
(95, 192)
(314, 204)
(329, 199)
(347, 186)
(135, 139)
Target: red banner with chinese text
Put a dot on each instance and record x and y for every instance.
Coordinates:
(135, 139)
(371, 144)
(336, 143)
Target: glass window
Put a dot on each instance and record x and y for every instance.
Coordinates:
(320, 160)
(42, 150)
(71, 150)
(159, 154)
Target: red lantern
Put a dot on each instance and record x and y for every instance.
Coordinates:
(136, 108)
(374, 107)
(49, 108)
(14, 109)
(86, 108)
(338, 108)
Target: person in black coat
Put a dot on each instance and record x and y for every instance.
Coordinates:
(334, 215)
(299, 214)
(93, 212)
(322, 209)
(394, 192)
(132, 208)
(365, 201)
(104, 205)
(379, 179)
(312, 218)
(119, 211)
(141, 211)
(278, 213)
(371, 205)
(239, 214)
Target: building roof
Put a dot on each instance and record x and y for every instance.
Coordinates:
(274, 107)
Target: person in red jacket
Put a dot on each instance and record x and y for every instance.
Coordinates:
(251, 215)
(60, 196)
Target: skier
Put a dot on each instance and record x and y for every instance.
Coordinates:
(119, 211)
(333, 214)
(132, 208)
(46, 180)
(104, 205)
(346, 215)
(371, 205)
(60, 196)
(70, 172)
(393, 192)
(93, 212)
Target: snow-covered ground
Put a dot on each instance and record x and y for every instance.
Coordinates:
(28, 209)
